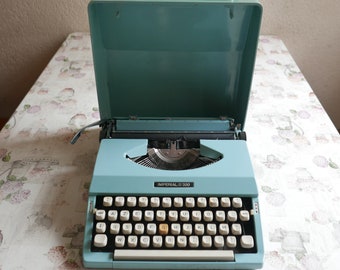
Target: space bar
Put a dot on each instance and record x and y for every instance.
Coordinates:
(173, 255)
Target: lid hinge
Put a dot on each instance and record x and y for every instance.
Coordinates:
(108, 127)
(239, 133)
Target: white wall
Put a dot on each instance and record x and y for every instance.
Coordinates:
(32, 30)
(30, 33)
(311, 31)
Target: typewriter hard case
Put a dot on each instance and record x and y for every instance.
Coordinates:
(170, 59)
(170, 66)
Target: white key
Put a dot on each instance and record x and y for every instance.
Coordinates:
(124, 215)
(193, 241)
(119, 241)
(172, 255)
(132, 241)
(231, 241)
(139, 228)
(196, 216)
(148, 215)
(155, 202)
(187, 229)
(236, 229)
(143, 201)
(160, 215)
(107, 201)
(219, 241)
(144, 241)
(100, 240)
(166, 202)
(100, 214)
(137, 215)
(247, 241)
(173, 215)
(237, 202)
(151, 228)
(169, 241)
(181, 241)
(213, 202)
(178, 202)
(175, 228)
(201, 202)
(206, 241)
(157, 241)
(131, 201)
(244, 215)
(225, 202)
(114, 228)
(127, 228)
(211, 228)
(223, 229)
(112, 215)
(119, 201)
(220, 216)
(184, 215)
(199, 229)
(208, 215)
(100, 227)
(190, 202)
(232, 216)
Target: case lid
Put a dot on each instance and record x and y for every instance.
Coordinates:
(174, 59)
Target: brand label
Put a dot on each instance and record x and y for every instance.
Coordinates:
(174, 184)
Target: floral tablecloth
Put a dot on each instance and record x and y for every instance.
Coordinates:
(295, 150)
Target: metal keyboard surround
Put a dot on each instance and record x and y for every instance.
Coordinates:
(247, 226)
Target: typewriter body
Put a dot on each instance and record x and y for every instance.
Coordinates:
(173, 185)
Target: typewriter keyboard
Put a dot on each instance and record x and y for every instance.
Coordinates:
(173, 227)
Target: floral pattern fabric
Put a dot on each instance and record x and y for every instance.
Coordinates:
(294, 147)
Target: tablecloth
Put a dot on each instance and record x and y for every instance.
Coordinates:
(44, 180)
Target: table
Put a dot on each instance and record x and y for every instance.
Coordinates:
(295, 150)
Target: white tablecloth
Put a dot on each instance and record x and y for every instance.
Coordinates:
(295, 150)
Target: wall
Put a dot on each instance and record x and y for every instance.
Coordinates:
(311, 31)
(30, 33)
(32, 30)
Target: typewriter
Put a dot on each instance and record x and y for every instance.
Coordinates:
(173, 185)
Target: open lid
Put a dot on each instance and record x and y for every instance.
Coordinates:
(174, 59)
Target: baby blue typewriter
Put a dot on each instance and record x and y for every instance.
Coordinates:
(173, 185)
